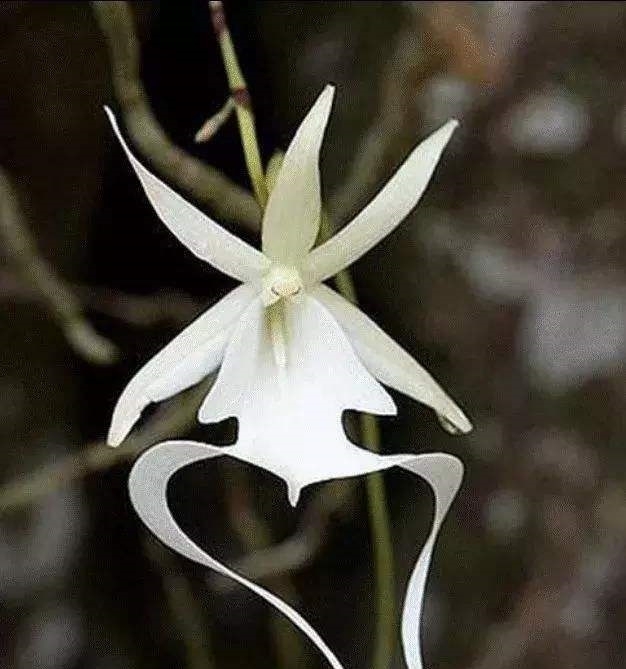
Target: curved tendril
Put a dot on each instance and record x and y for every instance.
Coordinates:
(149, 480)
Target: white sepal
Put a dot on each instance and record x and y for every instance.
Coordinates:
(388, 362)
(291, 221)
(185, 361)
(205, 238)
(383, 214)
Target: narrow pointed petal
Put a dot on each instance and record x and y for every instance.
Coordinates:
(388, 362)
(148, 483)
(443, 473)
(205, 238)
(384, 213)
(291, 221)
(185, 361)
(290, 406)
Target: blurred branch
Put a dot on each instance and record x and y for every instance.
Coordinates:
(204, 183)
(301, 548)
(185, 613)
(254, 534)
(436, 37)
(371, 156)
(452, 32)
(97, 456)
(22, 252)
(163, 307)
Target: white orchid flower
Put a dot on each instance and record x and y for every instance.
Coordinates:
(292, 354)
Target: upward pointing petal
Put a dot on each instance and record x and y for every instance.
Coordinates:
(390, 363)
(291, 219)
(386, 211)
(200, 234)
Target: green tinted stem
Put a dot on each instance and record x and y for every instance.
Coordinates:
(243, 105)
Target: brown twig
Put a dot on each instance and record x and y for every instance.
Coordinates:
(184, 611)
(163, 307)
(301, 548)
(204, 183)
(255, 534)
(97, 456)
(437, 37)
(55, 293)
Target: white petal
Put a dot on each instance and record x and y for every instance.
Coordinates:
(443, 473)
(148, 491)
(200, 234)
(292, 216)
(383, 214)
(185, 361)
(388, 362)
(148, 484)
(290, 416)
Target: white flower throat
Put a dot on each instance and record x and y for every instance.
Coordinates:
(281, 285)
(281, 281)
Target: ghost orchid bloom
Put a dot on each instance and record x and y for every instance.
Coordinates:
(292, 354)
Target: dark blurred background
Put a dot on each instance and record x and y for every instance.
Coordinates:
(507, 283)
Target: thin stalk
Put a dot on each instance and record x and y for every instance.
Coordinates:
(243, 104)
(385, 639)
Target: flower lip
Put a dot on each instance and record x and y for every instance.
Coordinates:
(281, 281)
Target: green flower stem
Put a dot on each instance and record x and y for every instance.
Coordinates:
(243, 106)
(385, 638)
(383, 554)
